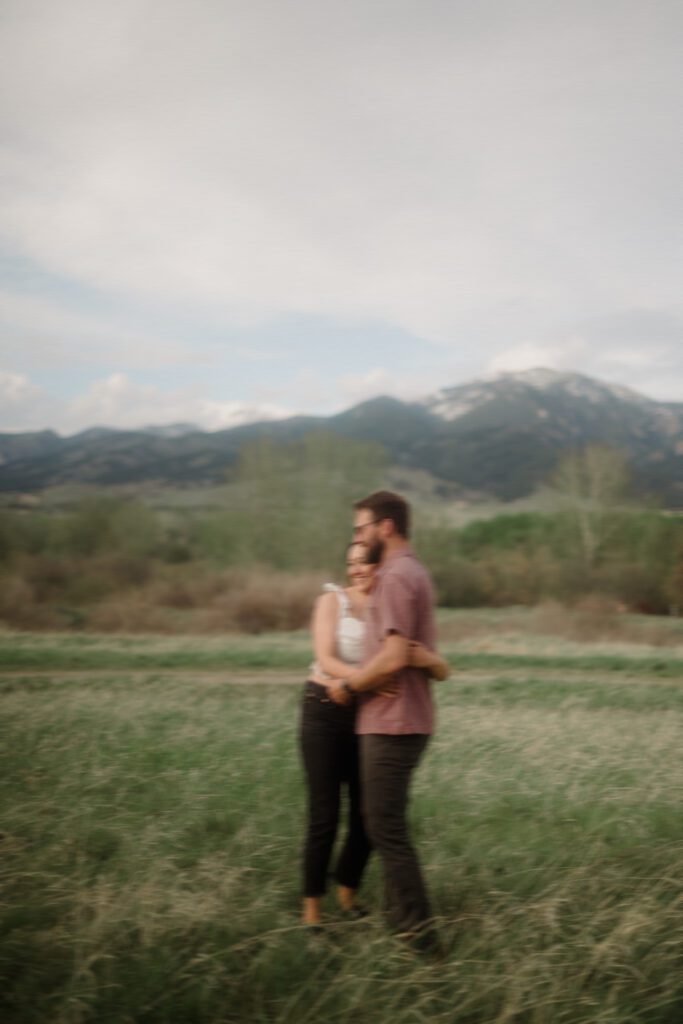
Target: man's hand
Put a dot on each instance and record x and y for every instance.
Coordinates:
(388, 689)
(337, 691)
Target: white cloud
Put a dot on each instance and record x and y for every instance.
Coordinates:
(379, 381)
(323, 158)
(358, 387)
(53, 332)
(222, 415)
(484, 176)
(637, 350)
(16, 388)
(24, 405)
(563, 355)
(117, 401)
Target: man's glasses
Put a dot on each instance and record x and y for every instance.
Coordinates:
(359, 529)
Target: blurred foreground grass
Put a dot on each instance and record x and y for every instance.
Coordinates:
(152, 824)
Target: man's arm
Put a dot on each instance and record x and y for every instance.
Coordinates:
(392, 656)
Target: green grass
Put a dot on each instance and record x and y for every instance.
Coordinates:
(501, 650)
(152, 826)
(68, 652)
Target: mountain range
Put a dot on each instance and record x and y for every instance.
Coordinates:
(497, 438)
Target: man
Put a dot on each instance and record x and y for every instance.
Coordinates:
(393, 731)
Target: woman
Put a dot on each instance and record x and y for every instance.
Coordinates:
(328, 741)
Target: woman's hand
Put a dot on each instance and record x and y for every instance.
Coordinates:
(419, 656)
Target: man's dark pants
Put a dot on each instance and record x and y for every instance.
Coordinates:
(387, 764)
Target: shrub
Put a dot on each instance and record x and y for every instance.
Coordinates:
(524, 531)
(595, 617)
(174, 594)
(47, 576)
(459, 584)
(130, 613)
(271, 601)
(641, 587)
(19, 608)
(110, 525)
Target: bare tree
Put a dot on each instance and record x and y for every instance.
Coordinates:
(593, 485)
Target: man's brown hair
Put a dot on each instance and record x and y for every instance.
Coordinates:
(387, 505)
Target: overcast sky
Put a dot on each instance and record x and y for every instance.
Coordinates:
(216, 209)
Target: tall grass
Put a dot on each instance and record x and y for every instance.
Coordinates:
(151, 840)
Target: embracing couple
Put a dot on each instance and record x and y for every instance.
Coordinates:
(367, 717)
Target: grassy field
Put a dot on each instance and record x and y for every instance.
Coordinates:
(153, 813)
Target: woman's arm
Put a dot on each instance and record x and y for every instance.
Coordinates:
(421, 657)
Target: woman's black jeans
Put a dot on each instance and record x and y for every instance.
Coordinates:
(330, 754)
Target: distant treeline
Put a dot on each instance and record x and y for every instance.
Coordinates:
(257, 563)
(528, 558)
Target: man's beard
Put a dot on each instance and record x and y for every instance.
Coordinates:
(375, 552)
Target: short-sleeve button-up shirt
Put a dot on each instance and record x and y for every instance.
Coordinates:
(402, 602)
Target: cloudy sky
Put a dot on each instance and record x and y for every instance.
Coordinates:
(217, 209)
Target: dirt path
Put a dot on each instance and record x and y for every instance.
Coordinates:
(251, 677)
(200, 675)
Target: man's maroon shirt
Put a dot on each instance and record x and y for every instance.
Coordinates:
(402, 602)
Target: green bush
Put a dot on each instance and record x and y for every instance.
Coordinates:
(109, 524)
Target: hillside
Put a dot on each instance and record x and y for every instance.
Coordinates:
(499, 437)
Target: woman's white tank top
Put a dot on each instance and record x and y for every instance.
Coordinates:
(350, 632)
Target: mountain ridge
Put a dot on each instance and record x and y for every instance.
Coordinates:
(500, 436)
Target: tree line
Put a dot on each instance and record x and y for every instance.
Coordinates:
(287, 511)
